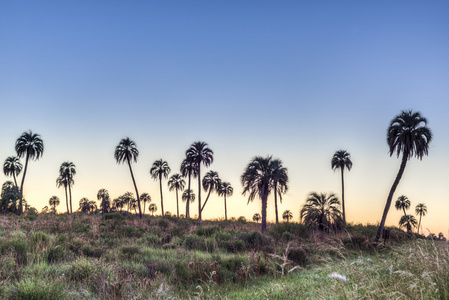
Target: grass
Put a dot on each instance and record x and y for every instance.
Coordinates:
(118, 257)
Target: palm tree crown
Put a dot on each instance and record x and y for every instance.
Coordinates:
(160, 169)
(67, 170)
(408, 221)
(225, 189)
(54, 201)
(103, 196)
(402, 203)
(421, 210)
(211, 182)
(12, 167)
(321, 210)
(342, 160)
(280, 183)
(145, 197)
(287, 215)
(176, 182)
(188, 169)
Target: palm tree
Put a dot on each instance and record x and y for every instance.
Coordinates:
(256, 217)
(152, 208)
(84, 205)
(280, 181)
(321, 210)
(421, 210)
(160, 168)
(408, 134)
(12, 167)
(176, 182)
(133, 204)
(225, 189)
(63, 181)
(54, 201)
(67, 170)
(402, 203)
(31, 146)
(211, 182)
(119, 203)
(127, 199)
(127, 151)
(145, 197)
(342, 160)
(103, 195)
(408, 221)
(188, 169)
(257, 181)
(199, 153)
(188, 195)
(287, 215)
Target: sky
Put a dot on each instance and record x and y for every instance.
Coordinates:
(298, 80)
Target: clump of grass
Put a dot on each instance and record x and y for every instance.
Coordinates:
(35, 288)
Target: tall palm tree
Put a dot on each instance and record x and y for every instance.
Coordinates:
(31, 146)
(225, 189)
(421, 210)
(127, 151)
(257, 181)
(152, 208)
(200, 153)
(160, 169)
(54, 201)
(280, 183)
(287, 215)
(67, 170)
(321, 210)
(63, 181)
(103, 196)
(12, 167)
(211, 182)
(402, 203)
(188, 169)
(176, 182)
(408, 134)
(342, 160)
(408, 221)
(145, 197)
(256, 217)
(188, 196)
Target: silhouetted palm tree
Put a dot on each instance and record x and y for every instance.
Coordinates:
(12, 167)
(31, 146)
(441, 237)
(160, 168)
(188, 195)
(257, 181)
(256, 217)
(67, 170)
(54, 201)
(225, 189)
(119, 203)
(408, 134)
(408, 221)
(145, 197)
(188, 169)
(127, 151)
(402, 203)
(342, 160)
(287, 215)
(9, 197)
(176, 182)
(103, 197)
(63, 181)
(127, 199)
(152, 208)
(85, 205)
(421, 210)
(199, 153)
(280, 183)
(321, 210)
(211, 182)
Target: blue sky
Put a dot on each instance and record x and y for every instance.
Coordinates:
(293, 79)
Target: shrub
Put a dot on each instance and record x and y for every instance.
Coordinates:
(150, 239)
(298, 255)
(90, 251)
(39, 240)
(129, 231)
(33, 288)
(114, 216)
(18, 248)
(76, 245)
(80, 270)
(194, 242)
(241, 220)
(206, 230)
(130, 251)
(55, 254)
(163, 223)
(182, 272)
(81, 227)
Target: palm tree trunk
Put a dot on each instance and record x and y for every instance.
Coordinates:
(66, 199)
(21, 185)
(390, 197)
(15, 181)
(135, 186)
(207, 198)
(264, 211)
(343, 196)
(276, 203)
(403, 208)
(144, 204)
(199, 193)
(188, 200)
(177, 203)
(419, 224)
(226, 209)
(162, 199)
(70, 195)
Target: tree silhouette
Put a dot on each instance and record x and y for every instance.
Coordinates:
(211, 183)
(127, 199)
(177, 183)
(88, 206)
(145, 197)
(67, 170)
(31, 146)
(199, 153)
(342, 160)
(421, 210)
(256, 217)
(103, 197)
(188, 195)
(127, 151)
(321, 210)
(9, 197)
(402, 203)
(287, 215)
(280, 183)
(408, 134)
(225, 189)
(54, 201)
(63, 181)
(152, 208)
(12, 167)
(160, 169)
(188, 169)
(408, 221)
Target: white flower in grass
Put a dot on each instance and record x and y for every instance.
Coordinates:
(338, 276)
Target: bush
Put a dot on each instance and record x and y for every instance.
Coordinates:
(76, 245)
(81, 227)
(150, 239)
(80, 270)
(194, 242)
(32, 288)
(206, 231)
(182, 272)
(241, 220)
(298, 255)
(18, 248)
(130, 251)
(55, 254)
(90, 251)
(163, 223)
(39, 240)
(114, 216)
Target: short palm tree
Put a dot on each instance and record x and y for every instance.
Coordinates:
(188, 196)
(68, 171)
(145, 197)
(54, 201)
(103, 197)
(321, 210)
(225, 189)
(127, 199)
(402, 203)
(31, 146)
(200, 153)
(408, 134)
(118, 203)
(408, 221)
(188, 169)
(257, 182)
(85, 205)
(12, 167)
(152, 208)
(256, 217)
(287, 215)
(211, 183)
(342, 160)
(63, 181)
(177, 183)
(160, 169)
(127, 151)
(421, 210)
(280, 183)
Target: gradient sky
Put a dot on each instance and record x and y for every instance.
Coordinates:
(291, 79)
